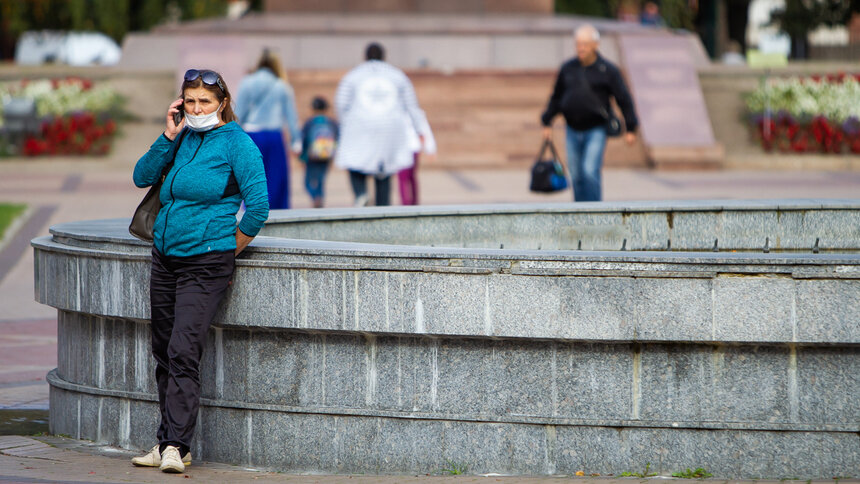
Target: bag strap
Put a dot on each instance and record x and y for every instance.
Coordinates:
(555, 159)
(548, 144)
(168, 166)
(591, 93)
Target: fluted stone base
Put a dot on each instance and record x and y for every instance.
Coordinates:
(368, 358)
(346, 402)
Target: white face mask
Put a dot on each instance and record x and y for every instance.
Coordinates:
(203, 122)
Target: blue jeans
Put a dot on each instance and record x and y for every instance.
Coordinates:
(315, 172)
(584, 161)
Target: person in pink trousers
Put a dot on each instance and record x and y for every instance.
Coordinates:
(421, 141)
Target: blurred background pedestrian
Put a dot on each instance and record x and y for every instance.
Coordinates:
(422, 141)
(650, 15)
(264, 104)
(319, 143)
(375, 103)
(581, 94)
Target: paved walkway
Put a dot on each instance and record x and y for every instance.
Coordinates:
(68, 189)
(57, 459)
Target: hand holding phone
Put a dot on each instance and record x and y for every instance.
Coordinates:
(177, 116)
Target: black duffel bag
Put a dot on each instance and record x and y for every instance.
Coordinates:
(548, 174)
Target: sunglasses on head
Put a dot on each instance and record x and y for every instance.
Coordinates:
(210, 78)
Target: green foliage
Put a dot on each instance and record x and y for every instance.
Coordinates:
(645, 473)
(5, 148)
(676, 13)
(589, 8)
(454, 468)
(113, 17)
(697, 473)
(192, 9)
(147, 13)
(12, 15)
(8, 213)
(799, 17)
(78, 15)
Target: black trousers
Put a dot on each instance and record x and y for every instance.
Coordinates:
(184, 295)
(382, 186)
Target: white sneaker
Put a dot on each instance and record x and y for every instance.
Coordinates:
(153, 458)
(362, 200)
(170, 461)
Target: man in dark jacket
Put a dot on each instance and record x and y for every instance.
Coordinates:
(586, 110)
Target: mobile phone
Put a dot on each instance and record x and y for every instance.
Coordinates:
(177, 117)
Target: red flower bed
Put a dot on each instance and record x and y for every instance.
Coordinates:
(76, 134)
(816, 135)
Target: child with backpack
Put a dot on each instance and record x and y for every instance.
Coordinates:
(319, 140)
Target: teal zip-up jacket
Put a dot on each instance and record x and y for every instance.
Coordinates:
(198, 211)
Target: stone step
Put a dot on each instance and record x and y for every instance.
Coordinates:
(479, 118)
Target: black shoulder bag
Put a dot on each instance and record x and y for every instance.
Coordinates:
(145, 214)
(613, 124)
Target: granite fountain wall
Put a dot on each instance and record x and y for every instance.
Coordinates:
(540, 339)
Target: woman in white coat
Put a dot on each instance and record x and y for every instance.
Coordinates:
(376, 107)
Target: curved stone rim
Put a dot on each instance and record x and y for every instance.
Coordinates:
(112, 234)
(310, 269)
(587, 207)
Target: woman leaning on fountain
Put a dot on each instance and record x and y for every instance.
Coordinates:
(196, 239)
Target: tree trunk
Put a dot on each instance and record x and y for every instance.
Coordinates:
(799, 47)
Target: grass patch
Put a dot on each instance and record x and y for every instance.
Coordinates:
(455, 469)
(698, 473)
(8, 213)
(645, 472)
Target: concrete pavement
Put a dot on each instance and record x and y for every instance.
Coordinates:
(62, 460)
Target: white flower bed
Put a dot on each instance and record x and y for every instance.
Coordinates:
(58, 98)
(804, 98)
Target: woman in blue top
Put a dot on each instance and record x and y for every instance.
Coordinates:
(196, 238)
(265, 104)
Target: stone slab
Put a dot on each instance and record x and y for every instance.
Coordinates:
(753, 308)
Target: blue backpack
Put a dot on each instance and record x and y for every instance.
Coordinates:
(320, 141)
